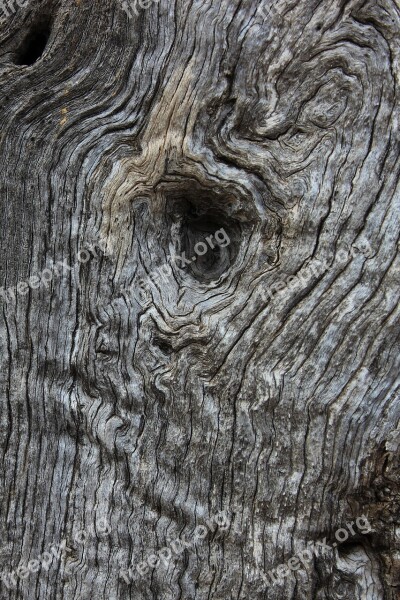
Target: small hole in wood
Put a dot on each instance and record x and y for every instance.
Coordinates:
(209, 236)
(34, 45)
(163, 345)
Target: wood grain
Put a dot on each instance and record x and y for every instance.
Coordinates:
(137, 137)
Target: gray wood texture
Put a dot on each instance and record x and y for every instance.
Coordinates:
(143, 394)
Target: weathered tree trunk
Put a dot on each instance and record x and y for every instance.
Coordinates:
(262, 378)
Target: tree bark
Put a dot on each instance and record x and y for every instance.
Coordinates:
(243, 399)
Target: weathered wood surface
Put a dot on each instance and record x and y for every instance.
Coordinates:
(135, 418)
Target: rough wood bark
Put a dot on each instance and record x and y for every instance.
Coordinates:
(262, 380)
